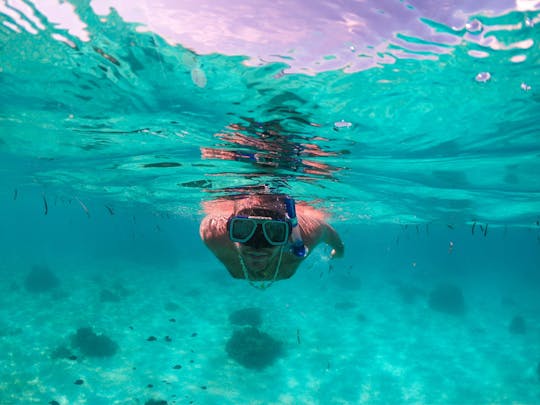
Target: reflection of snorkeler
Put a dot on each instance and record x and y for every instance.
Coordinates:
(264, 144)
(260, 237)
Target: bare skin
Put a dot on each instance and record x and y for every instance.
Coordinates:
(261, 263)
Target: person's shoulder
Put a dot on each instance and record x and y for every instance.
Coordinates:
(310, 224)
(306, 210)
(213, 226)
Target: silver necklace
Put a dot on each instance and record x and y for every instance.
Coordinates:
(261, 285)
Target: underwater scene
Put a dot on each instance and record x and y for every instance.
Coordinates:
(251, 202)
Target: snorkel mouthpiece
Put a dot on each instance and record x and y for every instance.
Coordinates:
(298, 248)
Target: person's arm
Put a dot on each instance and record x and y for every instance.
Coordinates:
(315, 230)
(213, 232)
(331, 237)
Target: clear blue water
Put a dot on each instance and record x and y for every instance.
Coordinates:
(113, 137)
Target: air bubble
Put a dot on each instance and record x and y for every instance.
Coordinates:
(483, 77)
(474, 27)
(198, 77)
(342, 124)
(279, 74)
(525, 87)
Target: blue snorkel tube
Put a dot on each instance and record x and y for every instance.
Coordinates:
(298, 248)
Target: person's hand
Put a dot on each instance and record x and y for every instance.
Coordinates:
(337, 253)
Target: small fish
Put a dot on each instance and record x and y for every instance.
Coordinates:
(84, 207)
(450, 247)
(298, 336)
(417, 230)
(197, 184)
(482, 228)
(16, 193)
(163, 164)
(450, 226)
(45, 205)
(111, 211)
(485, 230)
(473, 226)
(427, 229)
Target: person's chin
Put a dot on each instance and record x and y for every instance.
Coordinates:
(257, 261)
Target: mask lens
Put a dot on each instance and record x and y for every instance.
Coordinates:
(276, 232)
(242, 229)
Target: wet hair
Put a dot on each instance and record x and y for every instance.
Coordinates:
(267, 205)
(262, 212)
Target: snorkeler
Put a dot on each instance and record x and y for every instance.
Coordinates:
(261, 238)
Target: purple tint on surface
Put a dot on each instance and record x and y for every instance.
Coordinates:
(314, 35)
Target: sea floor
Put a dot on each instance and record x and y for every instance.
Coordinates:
(345, 337)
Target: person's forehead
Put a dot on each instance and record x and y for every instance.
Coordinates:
(261, 212)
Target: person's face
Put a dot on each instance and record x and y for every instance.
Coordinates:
(258, 259)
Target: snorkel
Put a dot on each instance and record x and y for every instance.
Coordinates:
(298, 248)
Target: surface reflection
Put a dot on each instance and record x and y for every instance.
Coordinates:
(269, 145)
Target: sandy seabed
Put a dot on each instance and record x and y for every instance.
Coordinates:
(347, 339)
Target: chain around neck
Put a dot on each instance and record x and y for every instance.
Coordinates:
(261, 285)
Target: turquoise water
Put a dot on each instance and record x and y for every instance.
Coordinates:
(111, 141)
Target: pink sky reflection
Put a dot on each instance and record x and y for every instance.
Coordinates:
(317, 34)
